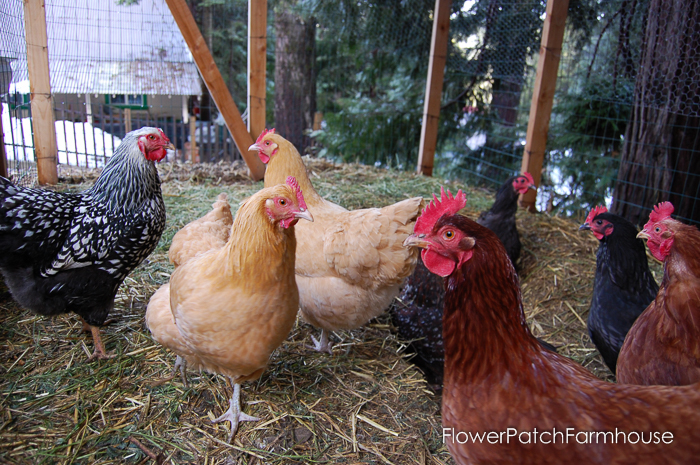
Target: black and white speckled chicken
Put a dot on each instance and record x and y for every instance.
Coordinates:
(69, 252)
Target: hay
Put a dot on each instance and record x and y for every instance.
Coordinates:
(365, 404)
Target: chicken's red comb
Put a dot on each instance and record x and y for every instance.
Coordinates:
(595, 212)
(661, 212)
(292, 182)
(436, 208)
(264, 133)
(529, 177)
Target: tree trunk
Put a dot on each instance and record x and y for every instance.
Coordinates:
(660, 159)
(295, 77)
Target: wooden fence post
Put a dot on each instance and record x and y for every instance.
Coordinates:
(216, 85)
(433, 87)
(543, 95)
(45, 150)
(257, 62)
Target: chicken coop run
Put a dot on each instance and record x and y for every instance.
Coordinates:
(348, 82)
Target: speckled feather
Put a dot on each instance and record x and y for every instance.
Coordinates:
(71, 251)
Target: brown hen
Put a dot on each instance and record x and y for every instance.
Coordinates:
(540, 407)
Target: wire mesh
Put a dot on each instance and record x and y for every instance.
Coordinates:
(624, 129)
(114, 67)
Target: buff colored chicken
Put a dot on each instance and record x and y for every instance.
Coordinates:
(232, 306)
(207, 233)
(350, 264)
(204, 234)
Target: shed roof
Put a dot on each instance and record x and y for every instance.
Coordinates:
(100, 47)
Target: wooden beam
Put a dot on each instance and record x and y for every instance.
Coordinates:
(257, 62)
(433, 88)
(3, 154)
(45, 150)
(543, 95)
(216, 85)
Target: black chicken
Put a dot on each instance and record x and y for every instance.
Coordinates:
(417, 313)
(623, 285)
(500, 218)
(70, 252)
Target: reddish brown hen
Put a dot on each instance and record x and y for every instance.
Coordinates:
(663, 346)
(540, 407)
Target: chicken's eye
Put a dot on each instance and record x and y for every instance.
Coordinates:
(152, 137)
(657, 229)
(449, 234)
(599, 222)
(283, 202)
(267, 142)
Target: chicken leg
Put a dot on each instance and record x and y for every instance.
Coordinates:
(180, 363)
(322, 344)
(234, 414)
(99, 352)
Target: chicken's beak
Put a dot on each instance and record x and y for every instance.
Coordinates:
(416, 240)
(585, 227)
(304, 214)
(254, 148)
(643, 234)
(532, 186)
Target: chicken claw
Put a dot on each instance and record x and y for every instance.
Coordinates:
(234, 414)
(322, 345)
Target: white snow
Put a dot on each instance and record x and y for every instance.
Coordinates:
(79, 144)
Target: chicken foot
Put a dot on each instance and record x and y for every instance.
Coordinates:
(99, 352)
(322, 344)
(234, 414)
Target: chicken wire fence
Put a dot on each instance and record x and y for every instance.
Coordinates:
(624, 128)
(115, 66)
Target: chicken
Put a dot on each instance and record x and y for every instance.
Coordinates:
(70, 252)
(417, 314)
(350, 264)
(204, 234)
(207, 233)
(500, 218)
(527, 404)
(663, 346)
(230, 307)
(623, 285)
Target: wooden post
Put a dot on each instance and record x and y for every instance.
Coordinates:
(3, 154)
(45, 150)
(257, 62)
(193, 139)
(543, 95)
(433, 88)
(127, 119)
(216, 85)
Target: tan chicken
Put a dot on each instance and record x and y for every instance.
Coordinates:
(201, 235)
(204, 234)
(350, 264)
(232, 306)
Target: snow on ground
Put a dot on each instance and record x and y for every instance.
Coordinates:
(79, 144)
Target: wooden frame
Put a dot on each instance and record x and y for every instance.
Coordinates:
(257, 63)
(433, 87)
(216, 85)
(45, 150)
(543, 95)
